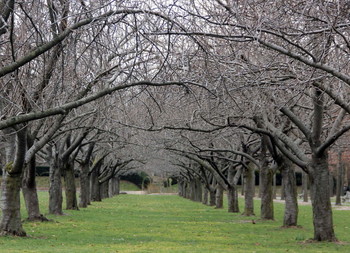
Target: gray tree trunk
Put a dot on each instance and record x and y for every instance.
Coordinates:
(242, 184)
(113, 186)
(321, 204)
(180, 188)
(198, 190)
(305, 186)
(104, 187)
(291, 195)
(339, 184)
(274, 189)
(84, 197)
(232, 193)
(212, 195)
(55, 189)
(232, 200)
(95, 186)
(70, 188)
(30, 194)
(11, 223)
(249, 183)
(205, 196)
(219, 196)
(283, 196)
(267, 212)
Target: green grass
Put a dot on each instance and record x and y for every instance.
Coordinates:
(128, 186)
(158, 223)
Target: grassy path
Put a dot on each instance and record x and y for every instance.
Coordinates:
(156, 223)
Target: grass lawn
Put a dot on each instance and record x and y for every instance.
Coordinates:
(163, 223)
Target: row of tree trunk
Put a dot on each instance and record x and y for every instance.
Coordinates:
(212, 194)
(19, 174)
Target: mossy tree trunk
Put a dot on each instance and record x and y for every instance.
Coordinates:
(11, 223)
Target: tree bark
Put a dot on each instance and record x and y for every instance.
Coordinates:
(232, 192)
(232, 200)
(104, 187)
(70, 188)
(198, 191)
(55, 189)
(283, 196)
(181, 188)
(30, 194)
(205, 196)
(291, 195)
(274, 189)
(267, 212)
(84, 197)
(114, 186)
(219, 196)
(212, 195)
(95, 185)
(249, 182)
(305, 182)
(339, 184)
(321, 204)
(11, 223)
(11, 217)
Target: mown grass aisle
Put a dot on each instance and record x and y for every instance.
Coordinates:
(156, 223)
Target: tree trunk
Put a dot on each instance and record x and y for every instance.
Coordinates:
(113, 186)
(267, 212)
(180, 186)
(321, 204)
(70, 188)
(219, 196)
(283, 196)
(205, 196)
(11, 223)
(249, 182)
(291, 195)
(332, 186)
(187, 190)
(192, 189)
(259, 184)
(232, 199)
(117, 185)
(104, 189)
(198, 190)
(305, 182)
(339, 189)
(84, 199)
(55, 190)
(95, 186)
(212, 195)
(274, 189)
(30, 194)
